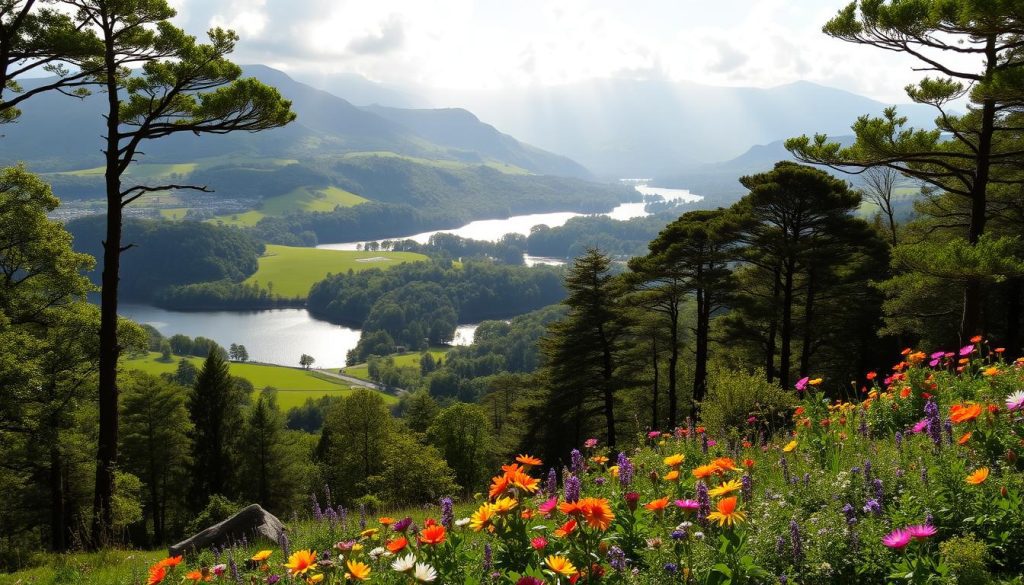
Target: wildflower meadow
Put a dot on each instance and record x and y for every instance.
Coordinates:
(914, 479)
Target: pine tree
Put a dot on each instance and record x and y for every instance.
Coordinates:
(215, 409)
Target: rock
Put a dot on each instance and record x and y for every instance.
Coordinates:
(252, 522)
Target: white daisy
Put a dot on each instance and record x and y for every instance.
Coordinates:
(404, 564)
(424, 573)
(462, 522)
(377, 552)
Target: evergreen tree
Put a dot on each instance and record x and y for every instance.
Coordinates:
(215, 409)
(353, 441)
(264, 465)
(156, 447)
(462, 434)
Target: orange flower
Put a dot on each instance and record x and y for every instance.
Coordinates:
(386, 520)
(560, 565)
(799, 411)
(748, 463)
(523, 481)
(978, 476)
(990, 371)
(672, 475)
(959, 413)
(599, 459)
(156, 574)
(397, 544)
(301, 561)
(433, 535)
(499, 484)
(570, 508)
(726, 512)
(199, 575)
(705, 471)
(171, 561)
(725, 464)
(905, 392)
(357, 570)
(261, 556)
(565, 529)
(482, 518)
(598, 512)
(528, 460)
(527, 514)
(872, 376)
(657, 506)
(976, 339)
(966, 437)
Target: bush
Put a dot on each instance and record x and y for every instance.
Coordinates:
(966, 557)
(217, 510)
(734, 396)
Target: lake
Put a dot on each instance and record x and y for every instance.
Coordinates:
(281, 336)
(278, 336)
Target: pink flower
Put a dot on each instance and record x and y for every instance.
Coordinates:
(801, 384)
(1015, 401)
(937, 355)
(653, 434)
(921, 426)
(590, 443)
(712, 442)
(967, 350)
(687, 504)
(548, 506)
(921, 531)
(539, 543)
(934, 362)
(898, 538)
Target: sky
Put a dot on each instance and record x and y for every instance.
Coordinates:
(498, 44)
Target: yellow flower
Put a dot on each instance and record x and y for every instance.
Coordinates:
(613, 471)
(314, 579)
(816, 382)
(357, 570)
(262, 555)
(672, 475)
(726, 488)
(790, 446)
(991, 371)
(504, 505)
(482, 518)
(301, 561)
(675, 460)
(560, 565)
(369, 532)
(726, 512)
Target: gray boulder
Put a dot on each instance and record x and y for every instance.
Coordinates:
(252, 523)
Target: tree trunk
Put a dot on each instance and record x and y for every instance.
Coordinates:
(673, 364)
(786, 333)
(700, 366)
(773, 327)
(609, 395)
(655, 389)
(805, 351)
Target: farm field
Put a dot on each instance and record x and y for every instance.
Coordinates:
(293, 270)
(306, 199)
(294, 385)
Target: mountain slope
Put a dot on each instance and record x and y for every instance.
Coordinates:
(636, 128)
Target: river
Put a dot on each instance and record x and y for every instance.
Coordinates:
(281, 336)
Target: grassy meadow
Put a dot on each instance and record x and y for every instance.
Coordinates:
(361, 371)
(293, 270)
(304, 199)
(294, 385)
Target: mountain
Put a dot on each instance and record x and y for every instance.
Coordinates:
(57, 133)
(637, 128)
(361, 91)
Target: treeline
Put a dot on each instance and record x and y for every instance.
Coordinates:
(222, 295)
(508, 250)
(615, 237)
(166, 254)
(414, 305)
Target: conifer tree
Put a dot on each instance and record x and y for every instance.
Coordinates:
(215, 409)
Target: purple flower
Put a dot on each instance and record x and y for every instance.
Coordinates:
(703, 502)
(678, 534)
(447, 515)
(931, 411)
(704, 443)
(318, 514)
(879, 490)
(404, 524)
(867, 471)
(785, 469)
(488, 558)
(552, 486)
(899, 441)
(797, 542)
(671, 568)
(626, 471)
(873, 507)
(572, 489)
(617, 558)
(283, 543)
(362, 517)
(863, 426)
(851, 514)
(271, 580)
(747, 488)
(936, 355)
(577, 461)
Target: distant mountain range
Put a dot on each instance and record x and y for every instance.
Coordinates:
(57, 133)
(631, 128)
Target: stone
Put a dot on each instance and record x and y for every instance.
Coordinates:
(253, 522)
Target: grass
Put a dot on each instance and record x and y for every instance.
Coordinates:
(294, 385)
(141, 170)
(293, 270)
(299, 199)
(443, 164)
(361, 371)
(174, 213)
(107, 566)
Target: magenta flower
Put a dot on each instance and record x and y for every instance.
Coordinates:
(921, 531)
(801, 384)
(590, 443)
(898, 538)
(687, 504)
(548, 506)
(938, 355)
(653, 434)
(1015, 401)
(934, 362)
(921, 426)
(967, 350)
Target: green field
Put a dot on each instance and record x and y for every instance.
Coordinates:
(442, 164)
(293, 270)
(403, 359)
(140, 170)
(300, 199)
(294, 385)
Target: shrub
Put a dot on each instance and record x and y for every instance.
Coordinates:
(734, 396)
(966, 557)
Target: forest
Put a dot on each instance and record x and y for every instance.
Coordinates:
(782, 390)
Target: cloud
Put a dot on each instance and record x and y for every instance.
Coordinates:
(390, 37)
(729, 58)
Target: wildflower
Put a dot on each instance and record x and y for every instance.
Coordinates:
(488, 558)
(705, 471)
(959, 413)
(560, 565)
(631, 500)
(790, 446)
(433, 536)
(671, 568)
(747, 487)
(539, 543)
(801, 384)
(657, 506)
(403, 564)
(898, 538)
(964, 438)
(1015, 401)
(482, 518)
(726, 512)
(688, 505)
(369, 533)
(978, 476)
(617, 558)
(748, 463)
(726, 488)
(529, 581)
(397, 544)
(675, 460)
(577, 461)
(725, 464)
(850, 513)
(548, 506)
(528, 460)
(920, 426)
(966, 350)
(156, 574)
(599, 459)
(386, 521)
(626, 470)
(871, 376)
(572, 488)
(784, 464)
(565, 529)
(873, 506)
(175, 561)
(590, 443)
(503, 506)
(301, 562)
(357, 570)
(261, 556)
(797, 542)
(499, 484)
(816, 382)
(424, 573)
(672, 475)
(199, 575)
(597, 512)
(921, 531)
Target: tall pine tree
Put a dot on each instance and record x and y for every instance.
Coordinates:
(215, 408)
